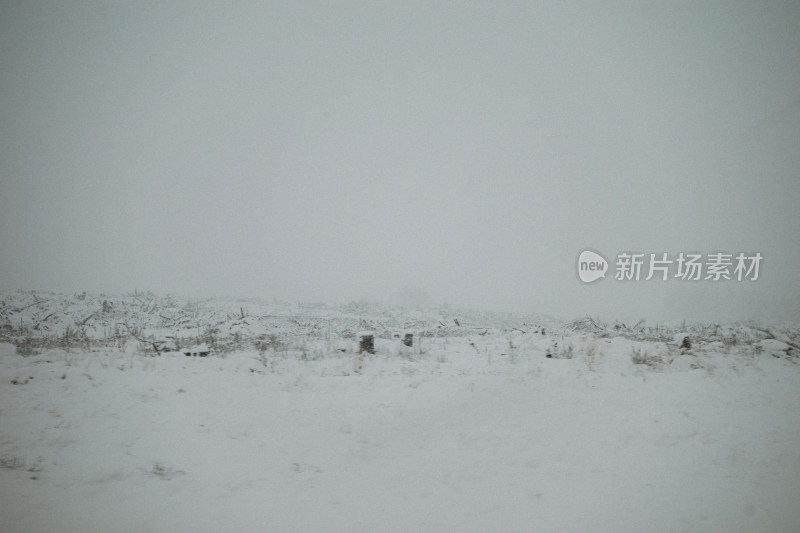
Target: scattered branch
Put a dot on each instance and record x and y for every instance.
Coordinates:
(85, 320)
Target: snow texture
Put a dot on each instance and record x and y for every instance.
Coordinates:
(471, 429)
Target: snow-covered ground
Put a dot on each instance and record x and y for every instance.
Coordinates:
(458, 433)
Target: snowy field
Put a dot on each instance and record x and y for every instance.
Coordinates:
(466, 433)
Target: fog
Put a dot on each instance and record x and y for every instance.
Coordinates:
(407, 152)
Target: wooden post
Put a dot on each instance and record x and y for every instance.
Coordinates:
(408, 339)
(366, 342)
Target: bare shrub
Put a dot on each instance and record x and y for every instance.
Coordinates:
(591, 355)
(27, 348)
(12, 462)
(640, 357)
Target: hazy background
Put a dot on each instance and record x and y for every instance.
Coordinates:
(417, 152)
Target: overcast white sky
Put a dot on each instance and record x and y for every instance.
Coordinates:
(434, 151)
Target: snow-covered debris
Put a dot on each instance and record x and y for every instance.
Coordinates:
(36, 319)
(588, 325)
(198, 350)
(774, 347)
(714, 346)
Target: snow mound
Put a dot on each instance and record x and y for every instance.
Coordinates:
(774, 347)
